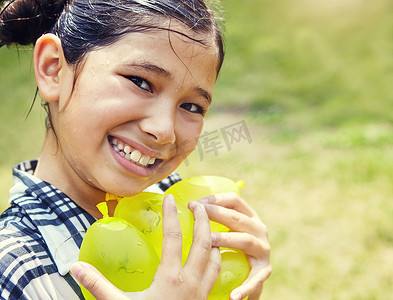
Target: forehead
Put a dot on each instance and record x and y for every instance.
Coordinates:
(174, 43)
(174, 34)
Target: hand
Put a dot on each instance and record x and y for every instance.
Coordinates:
(247, 233)
(172, 280)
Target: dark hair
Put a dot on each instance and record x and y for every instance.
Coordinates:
(23, 22)
(84, 25)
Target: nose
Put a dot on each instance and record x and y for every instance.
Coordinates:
(160, 125)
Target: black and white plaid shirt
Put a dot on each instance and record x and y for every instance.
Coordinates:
(40, 236)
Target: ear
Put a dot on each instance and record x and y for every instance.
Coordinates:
(48, 62)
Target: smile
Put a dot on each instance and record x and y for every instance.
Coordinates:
(131, 154)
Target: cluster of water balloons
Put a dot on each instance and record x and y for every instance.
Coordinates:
(126, 248)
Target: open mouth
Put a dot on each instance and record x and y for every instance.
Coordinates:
(132, 154)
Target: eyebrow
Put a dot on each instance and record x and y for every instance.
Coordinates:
(205, 94)
(151, 68)
(162, 72)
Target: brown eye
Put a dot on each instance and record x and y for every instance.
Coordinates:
(194, 108)
(141, 83)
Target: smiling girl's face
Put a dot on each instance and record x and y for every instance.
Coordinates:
(136, 109)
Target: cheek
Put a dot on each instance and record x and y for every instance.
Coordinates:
(188, 134)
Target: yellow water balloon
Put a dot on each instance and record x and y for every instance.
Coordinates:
(120, 252)
(196, 187)
(234, 264)
(234, 271)
(126, 248)
(144, 211)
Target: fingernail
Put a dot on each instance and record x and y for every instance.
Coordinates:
(203, 200)
(214, 238)
(192, 205)
(236, 297)
(77, 269)
(169, 200)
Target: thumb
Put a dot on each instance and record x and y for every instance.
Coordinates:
(94, 281)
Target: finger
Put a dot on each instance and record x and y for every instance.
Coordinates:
(172, 236)
(253, 285)
(94, 281)
(201, 246)
(245, 242)
(212, 270)
(257, 294)
(230, 200)
(235, 220)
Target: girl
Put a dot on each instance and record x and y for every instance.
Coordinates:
(126, 84)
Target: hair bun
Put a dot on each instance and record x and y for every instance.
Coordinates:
(24, 21)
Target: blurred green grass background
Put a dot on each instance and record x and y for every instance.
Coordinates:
(312, 81)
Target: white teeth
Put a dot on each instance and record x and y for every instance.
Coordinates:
(135, 155)
(144, 160)
(127, 149)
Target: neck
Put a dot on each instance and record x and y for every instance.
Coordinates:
(54, 168)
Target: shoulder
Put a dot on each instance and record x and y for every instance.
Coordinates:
(27, 270)
(20, 240)
(17, 221)
(17, 251)
(19, 263)
(22, 254)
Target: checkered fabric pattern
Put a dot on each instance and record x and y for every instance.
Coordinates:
(40, 236)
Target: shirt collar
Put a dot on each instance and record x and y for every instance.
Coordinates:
(60, 221)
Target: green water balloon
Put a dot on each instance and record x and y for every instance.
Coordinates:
(234, 264)
(126, 248)
(234, 271)
(144, 211)
(120, 252)
(196, 187)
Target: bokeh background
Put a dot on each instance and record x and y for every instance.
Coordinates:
(303, 114)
